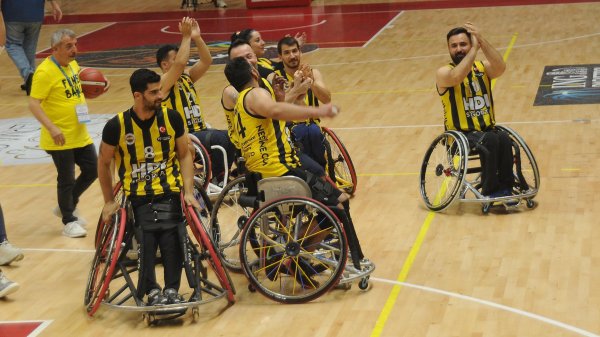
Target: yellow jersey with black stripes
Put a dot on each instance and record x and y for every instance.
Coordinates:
(469, 106)
(230, 113)
(264, 142)
(230, 119)
(183, 98)
(309, 99)
(265, 66)
(145, 154)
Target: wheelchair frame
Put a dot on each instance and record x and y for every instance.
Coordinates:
(453, 167)
(111, 263)
(247, 223)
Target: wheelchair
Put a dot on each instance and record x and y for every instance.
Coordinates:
(451, 170)
(203, 168)
(291, 248)
(339, 166)
(113, 274)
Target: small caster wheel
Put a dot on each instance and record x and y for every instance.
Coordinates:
(251, 288)
(195, 314)
(530, 203)
(364, 283)
(485, 209)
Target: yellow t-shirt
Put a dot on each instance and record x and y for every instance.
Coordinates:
(59, 100)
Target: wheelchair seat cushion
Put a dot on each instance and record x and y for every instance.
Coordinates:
(322, 190)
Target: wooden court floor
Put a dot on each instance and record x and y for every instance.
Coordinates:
(455, 273)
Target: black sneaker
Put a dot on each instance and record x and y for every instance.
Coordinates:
(28, 83)
(156, 298)
(172, 296)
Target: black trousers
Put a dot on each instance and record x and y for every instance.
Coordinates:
(496, 159)
(69, 188)
(163, 234)
(210, 137)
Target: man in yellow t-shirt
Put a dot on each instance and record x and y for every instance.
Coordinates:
(57, 102)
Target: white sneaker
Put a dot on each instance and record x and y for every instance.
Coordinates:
(82, 222)
(9, 253)
(74, 230)
(220, 4)
(7, 286)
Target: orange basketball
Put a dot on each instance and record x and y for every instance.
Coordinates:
(93, 82)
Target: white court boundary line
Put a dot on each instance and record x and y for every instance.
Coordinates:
(44, 324)
(387, 25)
(491, 304)
(358, 128)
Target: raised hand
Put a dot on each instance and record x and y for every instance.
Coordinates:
(195, 29)
(185, 26)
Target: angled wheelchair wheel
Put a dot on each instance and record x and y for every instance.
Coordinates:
(208, 249)
(293, 250)
(339, 164)
(206, 205)
(108, 250)
(227, 219)
(443, 170)
(202, 164)
(119, 197)
(527, 175)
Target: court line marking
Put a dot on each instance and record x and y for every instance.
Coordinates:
(58, 250)
(406, 266)
(490, 304)
(43, 325)
(387, 25)
(166, 31)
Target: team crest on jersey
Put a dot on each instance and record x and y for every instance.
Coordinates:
(129, 139)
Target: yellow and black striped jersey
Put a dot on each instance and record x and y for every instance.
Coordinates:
(183, 98)
(265, 66)
(264, 142)
(469, 106)
(310, 99)
(145, 154)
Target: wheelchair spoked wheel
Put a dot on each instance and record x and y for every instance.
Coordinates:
(339, 164)
(293, 250)
(202, 164)
(108, 250)
(204, 200)
(209, 250)
(227, 219)
(443, 170)
(118, 197)
(528, 179)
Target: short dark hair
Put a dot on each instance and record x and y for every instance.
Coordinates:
(288, 41)
(236, 43)
(140, 78)
(457, 31)
(238, 72)
(163, 52)
(242, 35)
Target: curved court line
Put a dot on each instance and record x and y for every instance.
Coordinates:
(166, 31)
(491, 304)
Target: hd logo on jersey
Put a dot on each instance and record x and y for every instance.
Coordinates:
(148, 171)
(476, 106)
